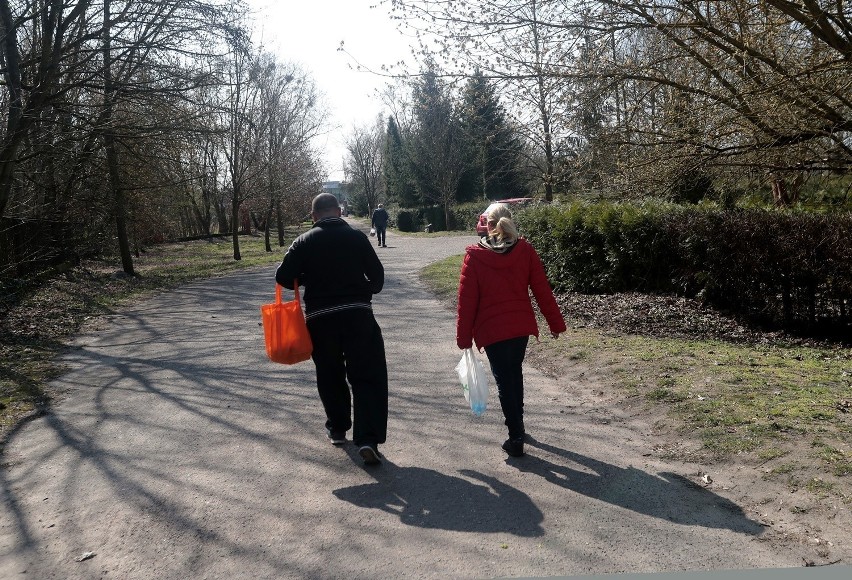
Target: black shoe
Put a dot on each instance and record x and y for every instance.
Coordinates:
(384, 245)
(337, 437)
(514, 447)
(370, 454)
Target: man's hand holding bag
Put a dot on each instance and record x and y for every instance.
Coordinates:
(285, 332)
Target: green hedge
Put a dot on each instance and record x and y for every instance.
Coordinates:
(463, 217)
(787, 268)
(466, 215)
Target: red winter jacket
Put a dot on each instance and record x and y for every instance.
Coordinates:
(494, 301)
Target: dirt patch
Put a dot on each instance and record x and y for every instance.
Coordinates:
(674, 317)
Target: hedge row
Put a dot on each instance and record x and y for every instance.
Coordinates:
(462, 217)
(781, 268)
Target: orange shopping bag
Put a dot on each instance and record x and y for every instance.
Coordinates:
(285, 331)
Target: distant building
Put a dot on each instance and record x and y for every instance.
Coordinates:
(338, 190)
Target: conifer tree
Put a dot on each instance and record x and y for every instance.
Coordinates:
(398, 176)
(493, 147)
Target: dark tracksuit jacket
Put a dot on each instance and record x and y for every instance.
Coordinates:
(336, 264)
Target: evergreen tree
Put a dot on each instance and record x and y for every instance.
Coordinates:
(437, 142)
(398, 176)
(493, 146)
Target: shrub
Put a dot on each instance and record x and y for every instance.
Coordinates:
(465, 215)
(406, 220)
(434, 214)
(783, 268)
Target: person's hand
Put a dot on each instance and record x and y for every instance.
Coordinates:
(555, 334)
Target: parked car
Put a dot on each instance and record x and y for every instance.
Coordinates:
(513, 203)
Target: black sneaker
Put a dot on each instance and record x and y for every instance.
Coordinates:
(514, 447)
(337, 437)
(370, 455)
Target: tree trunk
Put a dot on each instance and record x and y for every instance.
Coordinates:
(279, 219)
(14, 133)
(119, 199)
(267, 243)
(269, 211)
(784, 195)
(235, 223)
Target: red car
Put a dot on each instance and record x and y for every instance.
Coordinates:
(513, 203)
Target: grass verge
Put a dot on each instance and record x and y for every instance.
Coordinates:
(35, 320)
(767, 403)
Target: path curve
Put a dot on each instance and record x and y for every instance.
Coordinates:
(178, 451)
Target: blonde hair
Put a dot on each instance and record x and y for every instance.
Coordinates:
(504, 228)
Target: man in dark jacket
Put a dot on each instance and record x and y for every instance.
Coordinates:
(380, 222)
(340, 271)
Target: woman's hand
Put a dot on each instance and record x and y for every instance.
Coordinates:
(555, 334)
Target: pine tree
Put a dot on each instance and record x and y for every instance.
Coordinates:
(398, 177)
(493, 147)
(437, 142)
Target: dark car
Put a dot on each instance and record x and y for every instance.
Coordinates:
(513, 203)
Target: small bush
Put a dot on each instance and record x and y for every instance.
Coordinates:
(406, 220)
(466, 215)
(434, 214)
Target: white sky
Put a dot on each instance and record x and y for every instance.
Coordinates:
(309, 32)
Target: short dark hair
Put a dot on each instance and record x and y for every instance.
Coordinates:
(324, 202)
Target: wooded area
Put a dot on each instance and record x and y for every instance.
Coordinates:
(690, 101)
(131, 122)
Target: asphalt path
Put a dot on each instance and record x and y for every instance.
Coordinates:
(179, 451)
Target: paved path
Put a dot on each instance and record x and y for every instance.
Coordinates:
(179, 451)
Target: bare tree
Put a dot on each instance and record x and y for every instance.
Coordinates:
(746, 84)
(87, 84)
(365, 162)
(655, 87)
(243, 119)
(297, 116)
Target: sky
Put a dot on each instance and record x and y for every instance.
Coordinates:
(309, 32)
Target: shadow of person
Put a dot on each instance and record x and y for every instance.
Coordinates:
(428, 499)
(667, 496)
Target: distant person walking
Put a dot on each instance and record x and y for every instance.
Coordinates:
(494, 309)
(380, 222)
(340, 272)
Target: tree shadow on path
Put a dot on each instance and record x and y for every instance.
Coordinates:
(667, 496)
(428, 499)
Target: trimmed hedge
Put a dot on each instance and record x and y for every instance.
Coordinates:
(406, 221)
(463, 217)
(466, 215)
(782, 268)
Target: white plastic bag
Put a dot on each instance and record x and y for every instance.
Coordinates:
(372, 231)
(474, 381)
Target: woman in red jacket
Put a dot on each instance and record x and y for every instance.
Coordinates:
(494, 309)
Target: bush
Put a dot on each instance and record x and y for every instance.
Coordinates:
(465, 215)
(790, 269)
(407, 221)
(434, 214)
(415, 219)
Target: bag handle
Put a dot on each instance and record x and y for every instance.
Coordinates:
(295, 291)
